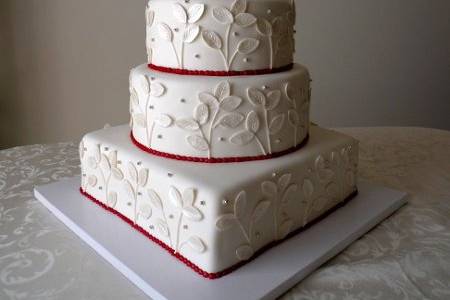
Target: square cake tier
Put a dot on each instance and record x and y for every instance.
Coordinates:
(215, 217)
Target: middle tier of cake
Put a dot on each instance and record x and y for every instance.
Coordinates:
(219, 119)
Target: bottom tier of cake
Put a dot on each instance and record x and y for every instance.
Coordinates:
(215, 217)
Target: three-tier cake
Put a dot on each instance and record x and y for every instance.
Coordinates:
(220, 162)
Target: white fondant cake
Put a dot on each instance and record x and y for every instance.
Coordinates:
(179, 192)
(216, 117)
(212, 222)
(220, 35)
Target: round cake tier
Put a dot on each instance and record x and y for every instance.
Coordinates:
(220, 35)
(219, 119)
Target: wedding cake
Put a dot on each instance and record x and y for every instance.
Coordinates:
(219, 162)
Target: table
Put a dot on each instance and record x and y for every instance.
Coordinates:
(405, 257)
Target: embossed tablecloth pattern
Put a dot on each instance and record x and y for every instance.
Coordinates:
(405, 257)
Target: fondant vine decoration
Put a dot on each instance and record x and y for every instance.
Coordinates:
(107, 167)
(184, 205)
(278, 193)
(276, 33)
(149, 17)
(190, 31)
(237, 218)
(298, 113)
(141, 116)
(217, 109)
(238, 16)
(137, 180)
(265, 104)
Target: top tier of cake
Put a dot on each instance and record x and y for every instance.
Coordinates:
(220, 35)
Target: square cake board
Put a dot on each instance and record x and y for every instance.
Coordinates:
(161, 276)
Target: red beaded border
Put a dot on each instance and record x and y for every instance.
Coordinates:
(219, 73)
(194, 267)
(216, 160)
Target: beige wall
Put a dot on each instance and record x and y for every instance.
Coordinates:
(64, 64)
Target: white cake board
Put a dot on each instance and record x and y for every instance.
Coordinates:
(161, 276)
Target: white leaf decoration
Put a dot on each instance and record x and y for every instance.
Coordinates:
(244, 252)
(195, 12)
(256, 97)
(276, 124)
(188, 197)
(284, 181)
(285, 229)
(240, 205)
(149, 16)
(92, 163)
(238, 6)
(197, 142)
(175, 197)
(308, 188)
(179, 13)
(129, 189)
(97, 153)
(212, 39)
(208, 99)
(279, 26)
(269, 189)
(196, 244)
(290, 91)
(188, 124)
(162, 227)
(112, 157)
(225, 222)
(252, 122)
(264, 27)
(149, 54)
(273, 99)
(324, 173)
(157, 89)
(201, 113)
(260, 210)
(222, 90)
(192, 213)
(230, 103)
(155, 200)
(191, 33)
(117, 173)
(132, 171)
(222, 15)
(291, 189)
(145, 210)
(245, 20)
(112, 199)
(104, 164)
(165, 32)
(293, 118)
(134, 99)
(92, 180)
(143, 177)
(242, 138)
(164, 120)
(231, 120)
(139, 120)
(248, 45)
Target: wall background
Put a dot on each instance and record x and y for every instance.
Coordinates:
(64, 64)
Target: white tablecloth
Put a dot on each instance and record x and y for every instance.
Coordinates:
(405, 257)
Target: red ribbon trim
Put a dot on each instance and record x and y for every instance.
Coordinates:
(216, 160)
(219, 73)
(190, 264)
